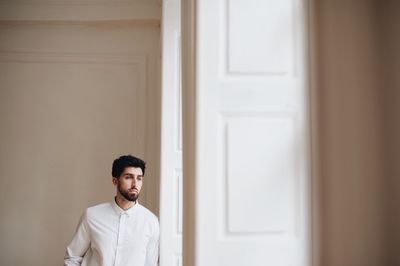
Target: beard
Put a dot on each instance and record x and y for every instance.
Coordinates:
(128, 196)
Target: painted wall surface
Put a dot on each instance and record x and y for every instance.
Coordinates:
(351, 176)
(74, 95)
(358, 107)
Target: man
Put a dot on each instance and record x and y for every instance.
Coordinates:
(121, 232)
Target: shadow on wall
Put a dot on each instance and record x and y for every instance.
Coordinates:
(358, 107)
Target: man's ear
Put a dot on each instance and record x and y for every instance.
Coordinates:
(114, 181)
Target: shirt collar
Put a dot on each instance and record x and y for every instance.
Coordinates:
(121, 211)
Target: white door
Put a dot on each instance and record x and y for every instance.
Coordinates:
(171, 178)
(246, 154)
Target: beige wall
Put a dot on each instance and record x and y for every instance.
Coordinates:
(58, 140)
(351, 198)
(74, 95)
(358, 106)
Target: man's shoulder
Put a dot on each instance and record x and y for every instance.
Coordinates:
(98, 209)
(149, 214)
(101, 206)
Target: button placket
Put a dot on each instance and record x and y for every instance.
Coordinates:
(121, 229)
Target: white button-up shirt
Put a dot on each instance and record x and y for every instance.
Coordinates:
(109, 236)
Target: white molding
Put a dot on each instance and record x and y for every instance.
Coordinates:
(177, 259)
(171, 175)
(178, 87)
(177, 194)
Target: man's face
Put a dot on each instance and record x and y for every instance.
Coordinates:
(129, 183)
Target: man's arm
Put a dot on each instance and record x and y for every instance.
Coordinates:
(79, 244)
(153, 247)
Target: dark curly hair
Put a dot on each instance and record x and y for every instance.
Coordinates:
(123, 161)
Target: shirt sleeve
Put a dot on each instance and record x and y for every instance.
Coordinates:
(152, 249)
(79, 244)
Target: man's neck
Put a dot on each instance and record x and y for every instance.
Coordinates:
(123, 203)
